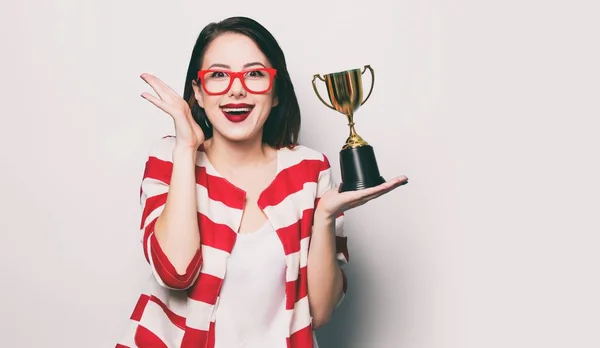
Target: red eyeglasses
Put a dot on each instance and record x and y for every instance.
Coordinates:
(256, 81)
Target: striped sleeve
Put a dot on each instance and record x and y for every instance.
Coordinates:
(326, 182)
(153, 197)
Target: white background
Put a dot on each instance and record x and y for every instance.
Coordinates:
(489, 107)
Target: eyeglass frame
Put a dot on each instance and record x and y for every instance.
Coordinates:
(239, 75)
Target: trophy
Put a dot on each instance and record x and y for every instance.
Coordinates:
(359, 168)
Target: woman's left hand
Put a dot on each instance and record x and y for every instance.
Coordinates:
(333, 202)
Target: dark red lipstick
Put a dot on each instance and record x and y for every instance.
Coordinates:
(236, 112)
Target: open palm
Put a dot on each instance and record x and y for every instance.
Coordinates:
(189, 133)
(334, 202)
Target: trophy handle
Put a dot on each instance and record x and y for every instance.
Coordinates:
(317, 91)
(372, 82)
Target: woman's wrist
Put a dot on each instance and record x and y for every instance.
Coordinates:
(187, 152)
(322, 216)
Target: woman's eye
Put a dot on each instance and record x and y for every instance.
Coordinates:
(218, 74)
(255, 73)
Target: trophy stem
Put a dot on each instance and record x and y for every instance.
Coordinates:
(352, 130)
(354, 140)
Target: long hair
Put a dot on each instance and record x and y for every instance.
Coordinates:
(282, 126)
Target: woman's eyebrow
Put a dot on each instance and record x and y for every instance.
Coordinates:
(225, 66)
(254, 63)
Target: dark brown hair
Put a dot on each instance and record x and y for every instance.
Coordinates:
(283, 123)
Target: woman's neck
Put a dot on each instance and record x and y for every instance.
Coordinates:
(229, 156)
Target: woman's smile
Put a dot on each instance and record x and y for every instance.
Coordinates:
(237, 112)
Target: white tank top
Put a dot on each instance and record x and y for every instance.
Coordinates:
(251, 308)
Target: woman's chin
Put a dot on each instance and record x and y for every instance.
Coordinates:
(239, 135)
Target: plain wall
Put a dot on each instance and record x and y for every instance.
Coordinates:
(490, 108)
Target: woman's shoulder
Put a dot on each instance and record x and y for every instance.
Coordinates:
(166, 141)
(306, 157)
(303, 152)
(162, 147)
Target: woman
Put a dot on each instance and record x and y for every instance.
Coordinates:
(232, 202)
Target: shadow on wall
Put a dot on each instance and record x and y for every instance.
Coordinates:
(346, 327)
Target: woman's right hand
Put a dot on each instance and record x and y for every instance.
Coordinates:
(189, 134)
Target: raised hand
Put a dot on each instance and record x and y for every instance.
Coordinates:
(189, 133)
(334, 202)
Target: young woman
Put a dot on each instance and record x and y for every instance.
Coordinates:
(232, 203)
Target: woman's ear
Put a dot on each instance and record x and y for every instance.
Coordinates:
(275, 101)
(198, 93)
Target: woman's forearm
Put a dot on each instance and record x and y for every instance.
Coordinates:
(176, 229)
(325, 282)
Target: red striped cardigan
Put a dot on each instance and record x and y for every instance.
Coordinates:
(178, 310)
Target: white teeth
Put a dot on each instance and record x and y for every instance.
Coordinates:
(237, 109)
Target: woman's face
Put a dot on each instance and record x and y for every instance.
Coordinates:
(238, 114)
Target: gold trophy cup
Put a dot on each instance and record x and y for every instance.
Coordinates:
(359, 168)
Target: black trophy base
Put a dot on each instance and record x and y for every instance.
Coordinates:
(359, 169)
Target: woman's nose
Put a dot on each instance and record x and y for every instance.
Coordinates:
(237, 88)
